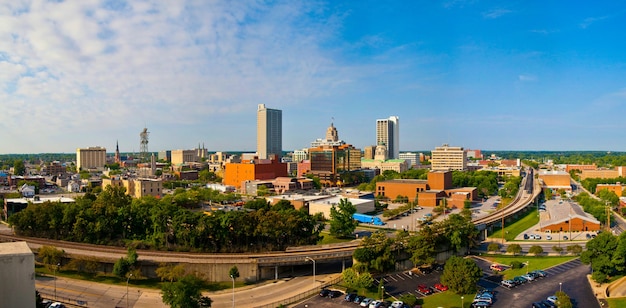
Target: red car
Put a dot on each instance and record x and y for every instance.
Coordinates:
(424, 289)
(441, 287)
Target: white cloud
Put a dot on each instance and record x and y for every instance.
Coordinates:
(591, 20)
(111, 65)
(496, 13)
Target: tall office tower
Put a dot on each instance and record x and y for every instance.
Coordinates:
(446, 157)
(388, 133)
(269, 132)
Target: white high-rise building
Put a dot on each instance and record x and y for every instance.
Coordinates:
(388, 133)
(269, 132)
(445, 158)
(91, 158)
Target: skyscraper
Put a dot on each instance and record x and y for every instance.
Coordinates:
(269, 132)
(388, 133)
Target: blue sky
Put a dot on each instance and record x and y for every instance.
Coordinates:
(491, 75)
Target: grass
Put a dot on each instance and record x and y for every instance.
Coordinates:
(617, 302)
(151, 283)
(331, 239)
(520, 225)
(534, 263)
(447, 299)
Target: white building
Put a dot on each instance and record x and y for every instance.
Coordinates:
(446, 158)
(412, 158)
(92, 158)
(388, 133)
(17, 274)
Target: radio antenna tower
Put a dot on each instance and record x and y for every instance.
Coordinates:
(143, 147)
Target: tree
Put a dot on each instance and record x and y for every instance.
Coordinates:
(184, 293)
(283, 205)
(536, 250)
(50, 256)
(461, 275)
(342, 223)
(125, 265)
(493, 247)
(170, 272)
(18, 167)
(563, 300)
(233, 272)
(557, 249)
(514, 249)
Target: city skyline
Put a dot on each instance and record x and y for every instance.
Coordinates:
(495, 76)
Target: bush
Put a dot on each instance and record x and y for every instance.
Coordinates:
(516, 264)
(408, 299)
(493, 247)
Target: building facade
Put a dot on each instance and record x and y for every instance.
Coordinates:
(328, 162)
(388, 133)
(412, 158)
(555, 180)
(269, 132)
(267, 169)
(17, 273)
(446, 157)
(92, 158)
(184, 156)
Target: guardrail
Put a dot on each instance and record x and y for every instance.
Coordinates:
(67, 301)
(302, 296)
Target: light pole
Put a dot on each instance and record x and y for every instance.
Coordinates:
(233, 278)
(560, 287)
(55, 280)
(382, 293)
(311, 259)
(129, 275)
(462, 302)
(527, 265)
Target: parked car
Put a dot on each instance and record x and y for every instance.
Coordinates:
(548, 303)
(508, 283)
(565, 238)
(484, 299)
(552, 298)
(440, 287)
(335, 294)
(540, 273)
(358, 299)
(424, 289)
(375, 304)
(496, 267)
(350, 297)
(526, 236)
(397, 304)
(56, 305)
(324, 293)
(548, 237)
(529, 277)
(480, 305)
(366, 302)
(538, 305)
(519, 280)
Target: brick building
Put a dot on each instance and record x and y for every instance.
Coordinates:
(256, 169)
(616, 188)
(565, 216)
(555, 180)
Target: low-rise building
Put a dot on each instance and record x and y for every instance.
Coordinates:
(566, 216)
(617, 188)
(137, 187)
(555, 180)
(14, 205)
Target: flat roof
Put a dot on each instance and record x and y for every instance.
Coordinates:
(406, 181)
(15, 249)
(41, 200)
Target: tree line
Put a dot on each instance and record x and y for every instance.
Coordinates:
(114, 218)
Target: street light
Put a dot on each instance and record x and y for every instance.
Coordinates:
(560, 287)
(233, 278)
(462, 302)
(382, 293)
(129, 275)
(527, 265)
(55, 280)
(311, 259)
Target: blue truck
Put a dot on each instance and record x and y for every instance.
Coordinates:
(368, 219)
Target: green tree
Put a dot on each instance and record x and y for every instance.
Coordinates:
(514, 249)
(185, 293)
(233, 272)
(563, 300)
(461, 275)
(493, 247)
(283, 205)
(50, 255)
(170, 272)
(365, 280)
(536, 250)
(18, 167)
(342, 224)
(557, 249)
(575, 249)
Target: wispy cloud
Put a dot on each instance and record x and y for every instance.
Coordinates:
(591, 20)
(544, 31)
(496, 13)
(527, 78)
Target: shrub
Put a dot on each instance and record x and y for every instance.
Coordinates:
(516, 264)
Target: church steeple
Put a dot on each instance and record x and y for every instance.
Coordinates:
(117, 152)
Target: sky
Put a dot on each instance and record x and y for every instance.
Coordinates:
(490, 75)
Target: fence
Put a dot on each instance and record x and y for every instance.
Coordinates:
(302, 296)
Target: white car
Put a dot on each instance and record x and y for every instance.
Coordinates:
(552, 298)
(397, 304)
(548, 237)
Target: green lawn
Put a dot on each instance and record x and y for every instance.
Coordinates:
(142, 282)
(534, 263)
(520, 225)
(617, 302)
(447, 299)
(330, 239)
